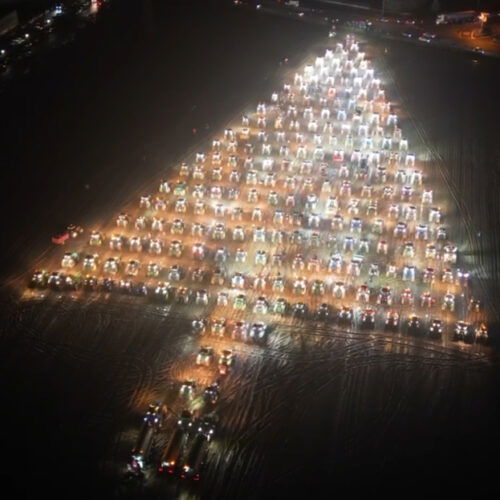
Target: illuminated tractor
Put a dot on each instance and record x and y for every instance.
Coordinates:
(140, 223)
(474, 305)
(278, 283)
(235, 176)
(392, 321)
(112, 265)
(372, 208)
(217, 277)
(298, 263)
(158, 224)
(162, 291)
(251, 178)
(90, 262)
(378, 226)
(153, 270)
(70, 260)
(345, 315)
(481, 333)
(401, 230)
(363, 294)
(240, 302)
(407, 297)
(165, 186)
(409, 250)
(222, 299)
(237, 214)
(318, 288)
(261, 306)
(435, 215)
(261, 257)
(427, 197)
(199, 172)
(450, 254)
(373, 271)
(410, 213)
(277, 259)
(180, 206)
(253, 196)
(122, 220)
(427, 300)
(463, 277)
(182, 295)
(339, 290)
(461, 330)
(174, 273)
(382, 247)
(198, 251)
(408, 273)
(300, 286)
(160, 204)
(356, 225)
(280, 306)
(278, 217)
(430, 252)
(155, 246)
(344, 171)
(116, 242)
(345, 188)
(366, 191)
(428, 275)
(216, 193)
(273, 198)
(348, 244)
(388, 193)
(393, 211)
(353, 207)
(332, 205)
(442, 234)
(218, 327)
(240, 256)
(313, 263)
(422, 232)
(315, 240)
(197, 229)
(219, 232)
(238, 281)
(406, 193)
(221, 255)
(145, 202)
(259, 283)
(177, 226)
(363, 246)
(335, 263)
(259, 235)
(313, 220)
(385, 296)
(217, 174)
(338, 222)
(447, 276)
(448, 302)
(132, 267)
(199, 208)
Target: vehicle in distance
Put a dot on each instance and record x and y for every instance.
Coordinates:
(188, 388)
(173, 451)
(205, 356)
(194, 458)
(211, 393)
(226, 361)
